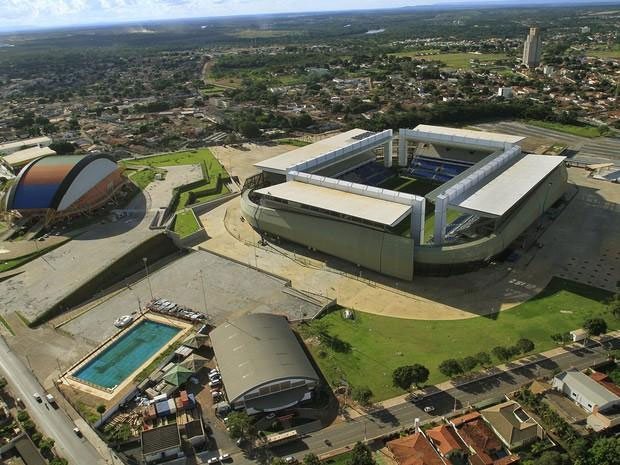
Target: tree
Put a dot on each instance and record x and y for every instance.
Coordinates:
(59, 461)
(550, 457)
(249, 129)
(524, 345)
(450, 367)
(240, 426)
(595, 326)
(100, 410)
(362, 395)
(468, 363)
(614, 306)
(3, 381)
(361, 455)
(605, 451)
(501, 353)
(403, 377)
(311, 459)
(483, 358)
(62, 147)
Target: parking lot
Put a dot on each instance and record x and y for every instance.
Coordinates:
(228, 288)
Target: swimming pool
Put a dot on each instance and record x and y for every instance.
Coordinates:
(113, 365)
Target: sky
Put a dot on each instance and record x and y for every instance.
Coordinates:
(50, 13)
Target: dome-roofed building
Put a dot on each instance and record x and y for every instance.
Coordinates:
(57, 186)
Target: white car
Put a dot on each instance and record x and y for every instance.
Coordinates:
(213, 384)
(429, 409)
(213, 460)
(123, 321)
(224, 457)
(37, 397)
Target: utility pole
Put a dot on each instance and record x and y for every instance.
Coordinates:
(146, 268)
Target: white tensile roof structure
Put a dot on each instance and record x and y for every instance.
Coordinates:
(501, 193)
(380, 211)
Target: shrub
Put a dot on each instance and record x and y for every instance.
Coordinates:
(501, 353)
(468, 363)
(450, 367)
(483, 358)
(525, 345)
(362, 395)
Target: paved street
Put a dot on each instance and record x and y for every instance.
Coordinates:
(51, 422)
(395, 418)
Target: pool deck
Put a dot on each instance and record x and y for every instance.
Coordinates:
(68, 379)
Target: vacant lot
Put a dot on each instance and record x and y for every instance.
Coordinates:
(609, 52)
(576, 130)
(456, 60)
(380, 344)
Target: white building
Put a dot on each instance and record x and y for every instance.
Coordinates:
(11, 147)
(505, 92)
(532, 48)
(585, 29)
(584, 391)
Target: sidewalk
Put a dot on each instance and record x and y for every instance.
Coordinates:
(92, 437)
(493, 371)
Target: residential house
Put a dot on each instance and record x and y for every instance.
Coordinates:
(447, 442)
(585, 391)
(414, 449)
(161, 444)
(512, 425)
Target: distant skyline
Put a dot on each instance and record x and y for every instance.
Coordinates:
(18, 14)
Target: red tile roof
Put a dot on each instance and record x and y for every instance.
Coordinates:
(414, 450)
(477, 435)
(445, 438)
(606, 382)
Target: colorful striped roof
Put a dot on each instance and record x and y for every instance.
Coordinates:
(42, 183)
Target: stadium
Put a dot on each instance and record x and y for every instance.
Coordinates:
(59, 186)
(456, 198)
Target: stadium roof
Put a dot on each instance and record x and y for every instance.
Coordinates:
(56, 181)
(281, 163)
(258, 349)
(468, 133)
(499, 195)
(21, 157)
(345, 203)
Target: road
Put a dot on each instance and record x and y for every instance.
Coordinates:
(53, 423)
(396, 418)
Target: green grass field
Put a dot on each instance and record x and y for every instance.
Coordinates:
(377, 341)
(455, 60)
(409, 185)
(189, 157)
(613, 52)
(583, 131)
(294, 142)
(143, 178)
(185, 223)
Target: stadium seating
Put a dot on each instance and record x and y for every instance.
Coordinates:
(436, 169)
(370, 174)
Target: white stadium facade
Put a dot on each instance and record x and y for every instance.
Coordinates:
(455, 199)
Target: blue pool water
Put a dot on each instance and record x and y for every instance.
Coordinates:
(110, 367)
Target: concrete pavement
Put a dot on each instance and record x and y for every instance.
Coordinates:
(53, 423)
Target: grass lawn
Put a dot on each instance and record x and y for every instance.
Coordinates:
(185, 223)
(409, 185)
(189, 157)
(613, 52)
(143, 178)
(377, 341)
(455, 60)
(583, 131)
(294, 142)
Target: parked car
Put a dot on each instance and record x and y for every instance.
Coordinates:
(213, 384)
(290, 459)
(224, 457)
(77, 432)
(213, 460)
(37, 397)
(429, 409)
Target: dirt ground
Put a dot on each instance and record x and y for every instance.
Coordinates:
(586, 234)
(239, 161)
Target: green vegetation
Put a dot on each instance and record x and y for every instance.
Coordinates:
(455, 60)
(576, 130)
(6, 325)
(155, 363)
(342, 459)
(185, 223)
(188, 157)
(613, 52)
(374, 341)
(87, 412)
(409, 185)
(143, 178)
(295, 142)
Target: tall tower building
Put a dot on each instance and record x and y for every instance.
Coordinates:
(532, 48)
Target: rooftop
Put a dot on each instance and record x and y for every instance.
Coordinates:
(511, 422)
(445, 438)
(414, 449)
(504, 191)
(160, 439)
(24, 156)
(606, 382)
(256, 349)
(9, 147)
(588, 387)
(345, 203)
(283, 162)
(469, 134)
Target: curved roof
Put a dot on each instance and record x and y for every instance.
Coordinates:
(44, 182)
(258, 349)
